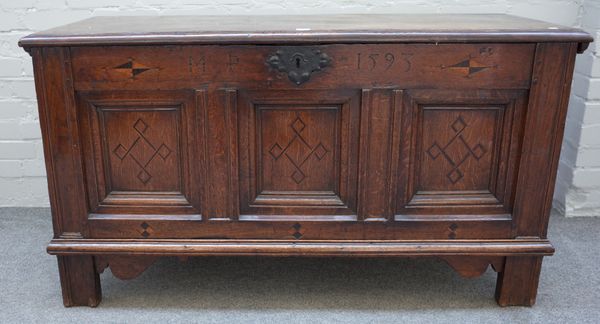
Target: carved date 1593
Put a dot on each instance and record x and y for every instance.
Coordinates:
(372, 61)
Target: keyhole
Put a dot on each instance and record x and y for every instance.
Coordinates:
(297, 62)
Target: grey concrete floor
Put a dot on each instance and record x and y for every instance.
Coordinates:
(295, 290)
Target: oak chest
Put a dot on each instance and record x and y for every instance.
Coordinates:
(349, 135)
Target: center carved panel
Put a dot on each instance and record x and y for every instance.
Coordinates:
(297, 146)
(298, 154)
(306, 150)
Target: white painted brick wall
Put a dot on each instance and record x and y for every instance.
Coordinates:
(22, 176)
(578, 183)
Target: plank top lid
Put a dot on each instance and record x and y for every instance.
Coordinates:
(320, 29)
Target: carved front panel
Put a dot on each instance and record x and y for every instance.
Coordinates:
(142, 148)
(460, 150)
(458, 143)
(355, 142)
(299, 147)
(138, 148)
(298, 152)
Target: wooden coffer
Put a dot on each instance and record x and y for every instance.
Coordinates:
(358, 135)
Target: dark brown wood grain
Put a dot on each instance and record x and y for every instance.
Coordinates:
(518, 281)
(380, 115)
(471, 267)
(547, 109)
(79, 280)
(355, 248)
(310, 226)
(418, 140)
(124, 267)
(61, 145)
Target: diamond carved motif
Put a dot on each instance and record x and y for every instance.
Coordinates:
(145, 230)
(276, 151)
(299, 144)
(140, 126)
(297, 231)
(456, 144)
(142, 151)
(320, 151)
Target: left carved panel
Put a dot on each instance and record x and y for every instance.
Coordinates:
(141, 150)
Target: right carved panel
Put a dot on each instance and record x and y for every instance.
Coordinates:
(460, 151)
(459, 145)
